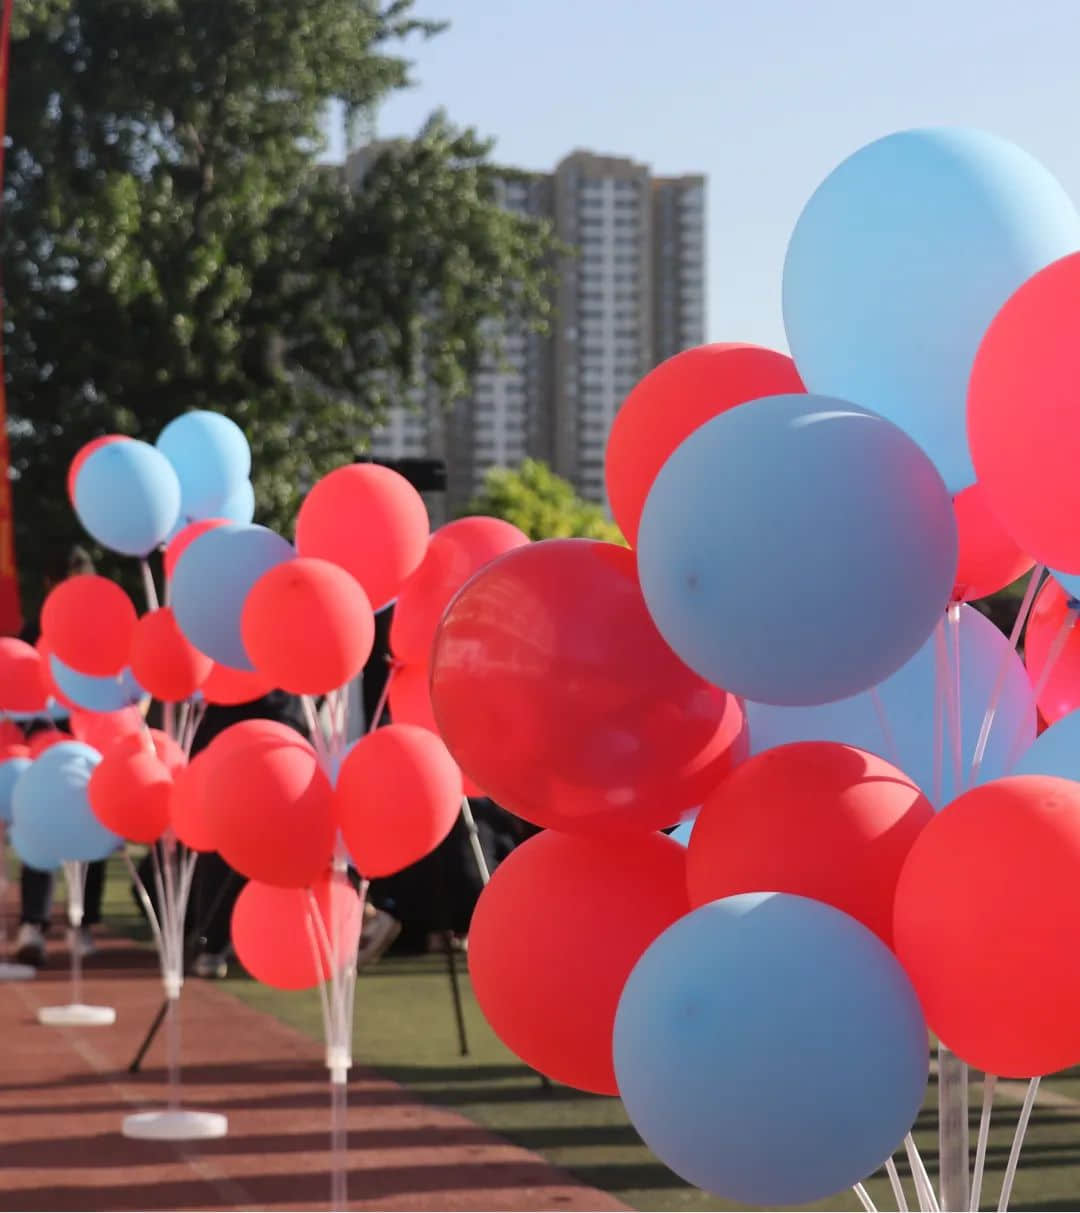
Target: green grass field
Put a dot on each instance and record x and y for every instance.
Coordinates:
(405, 1028)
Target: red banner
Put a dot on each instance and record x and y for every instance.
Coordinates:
(10, 614)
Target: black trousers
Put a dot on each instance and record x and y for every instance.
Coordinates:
(37, 895)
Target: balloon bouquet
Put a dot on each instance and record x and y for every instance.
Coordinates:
(882, 844)
(245, 612)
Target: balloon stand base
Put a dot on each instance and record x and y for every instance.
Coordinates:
(177, 1124)
(77, 1015)
(14, 972)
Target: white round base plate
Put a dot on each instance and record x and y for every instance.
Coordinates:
(77, 1015)
(14, 972)
(176, 1125)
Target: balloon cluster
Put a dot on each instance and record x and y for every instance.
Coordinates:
(787, 645)
(247, 612)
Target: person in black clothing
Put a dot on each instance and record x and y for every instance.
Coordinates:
(413, 910)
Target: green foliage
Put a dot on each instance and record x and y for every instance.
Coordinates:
(171, 241)
(542, 504)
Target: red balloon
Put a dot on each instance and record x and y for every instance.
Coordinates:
(272, 806)
(42, 740)
(191, 816)
(11, 749)
(22, 686)
(672, 401)
(371, 521)
(410, 696)
(308, 626)
(51, 689)
(88, 622)
(244, 732)
(129, 793)
(10, 733)
(103, 729)
(554, 691)
(1023, 426)
(988, 560)
(164, 662)
(817, 819)
(153, 742)
(555, 936)
(228, 687)
(455, 553)
(1061, 693)
(276, 933)
(410, 703)
(986, 924)
(398, 795)
(180, 541)
(84, 454)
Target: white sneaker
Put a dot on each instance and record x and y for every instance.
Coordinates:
(380, 931)
(82, 942)
(210, 965)
(30, 945)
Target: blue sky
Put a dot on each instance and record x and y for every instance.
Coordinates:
(764, 96)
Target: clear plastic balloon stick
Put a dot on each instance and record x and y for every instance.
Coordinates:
(384, 697)
(1017, 1145)
(1057, 646)
(990, 714)
(923, 1187)
(75, 874)
(149, 588)
(897, 1186)
(474, 840)
(956, 707)
(311, 716)
(941, 675)
(954, 1144)
(336, 989)
(864, 1198)
(989, 1085)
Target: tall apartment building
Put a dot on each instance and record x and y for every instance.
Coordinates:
(631, 296)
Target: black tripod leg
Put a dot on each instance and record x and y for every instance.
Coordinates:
(455, 993)
(191, 944)
(159, 1019)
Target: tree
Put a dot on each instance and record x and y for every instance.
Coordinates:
(171, 240)
(542, 504)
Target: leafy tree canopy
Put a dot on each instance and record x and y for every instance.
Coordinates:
(542, 504)
(171, 240)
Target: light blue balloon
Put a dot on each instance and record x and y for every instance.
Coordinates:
(1069, 582)
(92, 693)
(908, 737)
(897, 265)
(35, 851)
(10, 770)
(51, 711)
(211, 582)
(1054, 752)
(240, 507)
(770, 1049)
(212, 460)
(797, 549)
(52, 813)
(127, 497)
